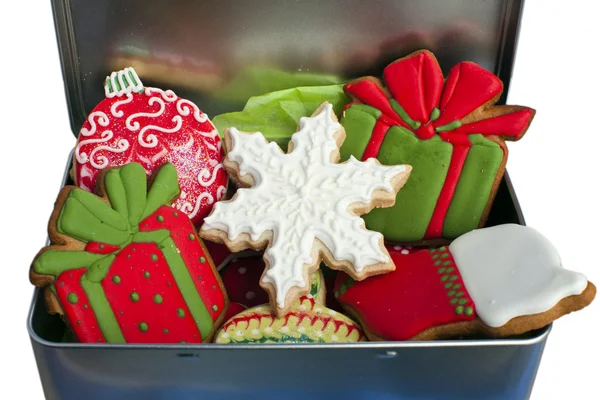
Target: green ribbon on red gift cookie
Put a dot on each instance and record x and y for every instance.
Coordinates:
(143, 275)
(418, 119)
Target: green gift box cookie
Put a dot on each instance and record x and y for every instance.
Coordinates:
(449, 131)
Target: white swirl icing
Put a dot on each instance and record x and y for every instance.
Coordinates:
(190, 210)
(151, 140)
(167, 95)
(134, 125)
(221, 190)
(205, 173)
(100, 161)
(184, 107)
(300, 197)
(102, 121)
(113, 108)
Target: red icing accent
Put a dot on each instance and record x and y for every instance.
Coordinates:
(370, 93)
(436, 223)
(416, 83)
(101, 248)
(191, 252)
(194, 149)
(80, 315)
(468, 87)
(242, 277)
(510, 126)
(130, 314)
(401, 304)
(377, 137)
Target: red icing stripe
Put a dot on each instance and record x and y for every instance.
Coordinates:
(436, 224)
(76, 306)
(101, 248)
(195, 258)
(379, 131)
(511, 126)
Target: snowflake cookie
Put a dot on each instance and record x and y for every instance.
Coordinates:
(303, 206)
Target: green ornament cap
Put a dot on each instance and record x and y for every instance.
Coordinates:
(123, 82)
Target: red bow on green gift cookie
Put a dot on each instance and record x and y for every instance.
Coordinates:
(449, 130)
(127, 268)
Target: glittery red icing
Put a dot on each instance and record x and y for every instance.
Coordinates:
(131, 128)
(132, 298)
(80, 315)
(401, 304)
(196, 259)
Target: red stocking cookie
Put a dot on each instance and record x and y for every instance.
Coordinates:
(151, 127)
(127, 268)
(497, 281)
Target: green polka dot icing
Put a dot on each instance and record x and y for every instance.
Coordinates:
(202, 259)
(447, 262)
(450, 269)
(459, 310)
(461, 301)
(441, 270)
(116, 279)
(456, 286)
(165, 331)
(454, 301)
(158, 299)
(468, 311)
(445, 278)
(191, 236)
(214, 287)
(180, 312)
(343, 289)
(143, 326)
(453, 277)
(72, 298)
(460, 294)
(435, 256)
(154, 257)
(451, 293)
(175, 214)
(146, 274)
(437, 263)
(431, 251)
(445, 255)
(447, 285)
(215, 308)
(134, 296)
(443, 248)
(160, 218)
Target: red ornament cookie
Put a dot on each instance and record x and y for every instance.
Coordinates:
(152, 127)
(498, 281)
(126, 267)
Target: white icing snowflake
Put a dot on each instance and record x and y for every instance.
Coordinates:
(302, 196)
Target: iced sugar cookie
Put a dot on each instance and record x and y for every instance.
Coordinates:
(151, 126)
(307, 322)
(124, 267)
(498, 281)
(303, 206)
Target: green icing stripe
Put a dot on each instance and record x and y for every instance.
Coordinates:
(474, 187)
(98, 270)
(116, 192)
(186, 286)
(55, 262)
(404, 115)
(106, 318)
(449, 127)
(165, 187)
(409, 218)
(157, 236)
(359, 126)
(135, 184)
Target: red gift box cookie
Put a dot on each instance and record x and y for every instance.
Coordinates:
(449, 130)
(124, 267)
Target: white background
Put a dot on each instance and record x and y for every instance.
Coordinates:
(554, 170)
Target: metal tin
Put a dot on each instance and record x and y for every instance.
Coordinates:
(201, 46)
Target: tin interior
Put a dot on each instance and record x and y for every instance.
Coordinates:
(200, 48)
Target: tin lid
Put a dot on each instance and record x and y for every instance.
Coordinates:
(218, 53)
